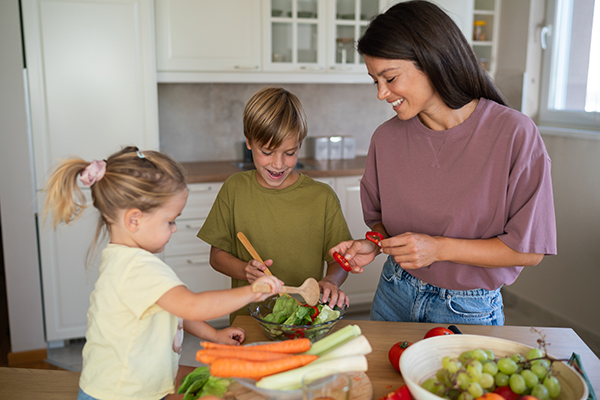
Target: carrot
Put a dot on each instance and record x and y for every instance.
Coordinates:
(236, 368)
(291, 346)
(208, 356)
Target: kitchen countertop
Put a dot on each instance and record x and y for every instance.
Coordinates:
(219, 171)
(29, 384)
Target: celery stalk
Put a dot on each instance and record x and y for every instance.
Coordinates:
(292, 379)
(335, 339)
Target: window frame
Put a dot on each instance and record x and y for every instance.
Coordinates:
(548, 116)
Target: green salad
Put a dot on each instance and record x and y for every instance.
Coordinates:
(287, 311)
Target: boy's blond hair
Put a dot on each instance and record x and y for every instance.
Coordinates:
(272, 115)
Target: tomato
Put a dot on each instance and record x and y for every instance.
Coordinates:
(438, 331)
(395, 353)
(505, 392)
(401, 393)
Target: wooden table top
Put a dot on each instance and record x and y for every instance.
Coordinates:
(26, 384)
(382, 335)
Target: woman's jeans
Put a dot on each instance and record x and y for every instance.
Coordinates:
(402, 297)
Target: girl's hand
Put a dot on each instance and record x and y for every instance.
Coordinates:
(358, 253)
(332, 294)
(273, 282)
(254, 269)
(412, 250)
(231, 335)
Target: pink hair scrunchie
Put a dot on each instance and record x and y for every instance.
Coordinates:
(93, 173)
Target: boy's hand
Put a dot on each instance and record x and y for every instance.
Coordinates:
(332, 295)
(255, 269)
(358, 253)
(231, 335)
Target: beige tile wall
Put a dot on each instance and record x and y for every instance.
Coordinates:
(203, 122)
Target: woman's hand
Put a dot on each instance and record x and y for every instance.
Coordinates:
(331, 294)
(230, 335)
(412, 250)
(255, 269)
(358, 253)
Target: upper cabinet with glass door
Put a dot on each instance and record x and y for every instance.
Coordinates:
(295, 35)
(316, 35)
(349, 21)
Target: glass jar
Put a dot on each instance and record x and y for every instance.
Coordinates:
(478, 30)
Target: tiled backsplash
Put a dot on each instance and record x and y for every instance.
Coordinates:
(203, 122)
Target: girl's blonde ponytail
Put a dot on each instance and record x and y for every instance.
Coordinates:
(64, 199)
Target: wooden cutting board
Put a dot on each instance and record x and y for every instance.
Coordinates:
(361, 389)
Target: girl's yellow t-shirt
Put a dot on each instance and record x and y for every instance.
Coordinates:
(129, 340)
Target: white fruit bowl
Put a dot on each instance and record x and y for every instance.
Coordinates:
(422, 360)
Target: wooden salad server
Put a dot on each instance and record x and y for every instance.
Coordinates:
(309, 290)
(252, 252)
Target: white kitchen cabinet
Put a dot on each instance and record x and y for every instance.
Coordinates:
(487, 15)
(92, 90)
(360, 288)
(208, 35)
(187, 254)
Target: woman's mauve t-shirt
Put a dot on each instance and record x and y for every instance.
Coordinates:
(487, 177)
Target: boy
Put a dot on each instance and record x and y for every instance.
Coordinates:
(290, 219)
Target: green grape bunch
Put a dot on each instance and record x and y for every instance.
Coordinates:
(477, 372)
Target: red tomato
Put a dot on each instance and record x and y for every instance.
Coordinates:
(438, 331)
(401, 393)
(505, 392)
(395, 353)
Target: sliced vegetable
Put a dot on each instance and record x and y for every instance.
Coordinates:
(292, 346)
(207, 356)
(335, 339)
(374, 237)
(402, 393)
(234, 367)
(292, 379)
(342, 261)
(326, 314)
(359, 346)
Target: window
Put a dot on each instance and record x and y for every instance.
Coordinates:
(571, 89)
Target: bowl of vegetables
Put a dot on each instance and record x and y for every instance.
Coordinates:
(285, 317)
(444, 367)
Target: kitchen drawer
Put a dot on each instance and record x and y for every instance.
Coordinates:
(196, 272)
(200, 200)
(185, 241)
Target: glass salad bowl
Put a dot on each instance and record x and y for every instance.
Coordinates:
(282, 331)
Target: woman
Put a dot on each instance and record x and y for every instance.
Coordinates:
(458, 184)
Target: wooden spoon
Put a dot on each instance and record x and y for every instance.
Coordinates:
(252, 252)
(309, 290)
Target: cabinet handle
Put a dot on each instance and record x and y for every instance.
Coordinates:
(246, 67)
(311, 68)
(340, 68)
(195, 261)
(198, 189)
(190, 226)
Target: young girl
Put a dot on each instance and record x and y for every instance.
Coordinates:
(139, 306)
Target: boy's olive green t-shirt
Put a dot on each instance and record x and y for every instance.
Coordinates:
(295, 226)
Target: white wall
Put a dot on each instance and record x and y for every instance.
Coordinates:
(17, 193)
(567, 284)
